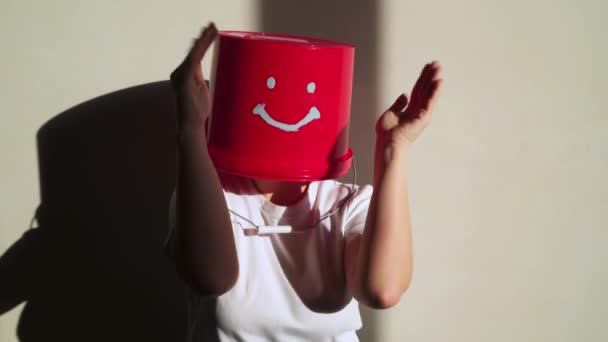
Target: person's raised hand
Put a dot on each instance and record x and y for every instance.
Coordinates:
(403, 122)
(191, 89)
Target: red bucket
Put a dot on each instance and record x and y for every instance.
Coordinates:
(280, 106)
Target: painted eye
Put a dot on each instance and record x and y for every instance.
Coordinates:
(310, 88)
(271, 82)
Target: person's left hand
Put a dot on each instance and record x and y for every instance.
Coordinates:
(403, 122)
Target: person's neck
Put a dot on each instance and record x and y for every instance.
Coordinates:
(279, 192)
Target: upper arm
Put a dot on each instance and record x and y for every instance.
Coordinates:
(355, 216)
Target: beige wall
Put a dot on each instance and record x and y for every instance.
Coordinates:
(508, 191)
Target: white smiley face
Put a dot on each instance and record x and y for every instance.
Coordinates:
(313, 113)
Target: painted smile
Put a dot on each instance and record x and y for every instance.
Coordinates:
(313, 114)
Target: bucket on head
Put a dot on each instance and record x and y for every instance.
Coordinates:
(280, 106)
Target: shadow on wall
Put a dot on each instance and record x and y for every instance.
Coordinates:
(94, 269)
(351, 21)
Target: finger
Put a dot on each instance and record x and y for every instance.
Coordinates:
(426, 103)
(433, 94)
(399, 105)
(179, 74)
(422, 100)
(434, 74)
(433, 86)
(185, 64)
(421, 84)
(190, 67)
(431, 74)
(202, 43)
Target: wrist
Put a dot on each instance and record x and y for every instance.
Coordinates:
(390, 158)
(392, 151)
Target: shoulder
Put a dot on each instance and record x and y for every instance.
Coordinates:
(333, 187)
(348, 196)
(351, 201)
(359, 199)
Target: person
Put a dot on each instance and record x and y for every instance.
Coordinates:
(306, 285)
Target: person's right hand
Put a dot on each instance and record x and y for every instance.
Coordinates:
(190, 87)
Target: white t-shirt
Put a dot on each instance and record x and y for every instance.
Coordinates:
(291, 287)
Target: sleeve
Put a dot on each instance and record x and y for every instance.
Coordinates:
(170, 240)
(355, 212)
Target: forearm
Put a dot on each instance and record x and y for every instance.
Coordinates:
(385, 257)
(205, 252)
